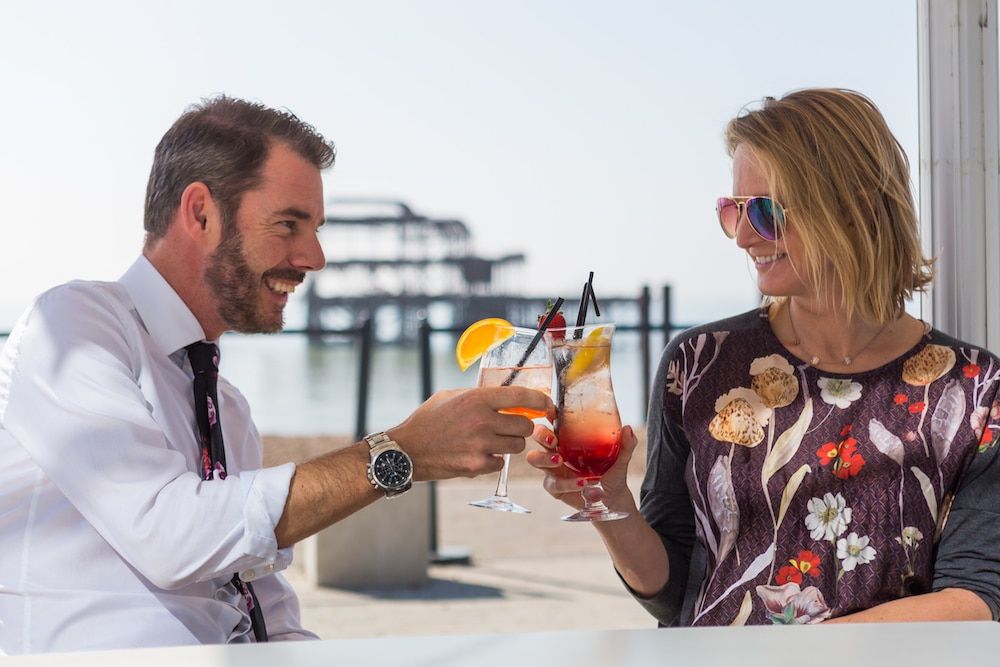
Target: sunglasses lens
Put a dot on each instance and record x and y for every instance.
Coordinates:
(729, 215)
(766, 217)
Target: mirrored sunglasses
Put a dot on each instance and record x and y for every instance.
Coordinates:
(766, 215)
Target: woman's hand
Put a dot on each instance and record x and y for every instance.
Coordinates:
(563, 484)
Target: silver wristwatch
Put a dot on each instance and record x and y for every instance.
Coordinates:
(390, 469)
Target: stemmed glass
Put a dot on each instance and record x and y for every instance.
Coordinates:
(587, 422)
(506, 364)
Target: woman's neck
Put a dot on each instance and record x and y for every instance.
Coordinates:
(827, 338)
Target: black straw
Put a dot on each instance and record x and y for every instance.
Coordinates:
(585, 299)
(593, 297)
(534, 341)
(581, 314)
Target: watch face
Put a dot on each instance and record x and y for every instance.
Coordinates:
(392, 469)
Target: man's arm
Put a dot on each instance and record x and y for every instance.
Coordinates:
(453, 434)
(76, 406)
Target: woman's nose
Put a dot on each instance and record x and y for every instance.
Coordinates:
(745, 234)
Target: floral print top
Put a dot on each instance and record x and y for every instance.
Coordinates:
(786, 494)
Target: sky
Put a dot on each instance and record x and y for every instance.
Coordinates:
(585, 134)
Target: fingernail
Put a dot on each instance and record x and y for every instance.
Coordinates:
(554, 458)
(581, 482)
(548, 441)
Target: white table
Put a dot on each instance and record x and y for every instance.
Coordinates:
(888, 645)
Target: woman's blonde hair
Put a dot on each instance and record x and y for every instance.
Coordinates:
(833, 163)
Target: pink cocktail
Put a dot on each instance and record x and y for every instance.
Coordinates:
(587, 426)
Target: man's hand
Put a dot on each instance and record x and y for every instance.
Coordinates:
(460, 433)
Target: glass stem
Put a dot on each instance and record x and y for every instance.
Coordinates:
(599, 506)
(501, 491)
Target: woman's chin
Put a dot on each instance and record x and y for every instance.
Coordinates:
(778, 289)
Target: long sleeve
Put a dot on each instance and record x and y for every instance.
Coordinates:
(84, 404)
(968, 555)
(664, 499)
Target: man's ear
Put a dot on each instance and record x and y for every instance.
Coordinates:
(199, 215)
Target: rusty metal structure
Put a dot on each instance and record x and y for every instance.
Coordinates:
(389, 263)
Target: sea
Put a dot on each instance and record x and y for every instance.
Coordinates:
(296, 387)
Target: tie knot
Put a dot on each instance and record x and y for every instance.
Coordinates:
(204, 357)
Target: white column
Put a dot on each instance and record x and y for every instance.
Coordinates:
(959, 185)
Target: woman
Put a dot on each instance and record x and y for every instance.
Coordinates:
(827, 457)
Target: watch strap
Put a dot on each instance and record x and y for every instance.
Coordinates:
(376, 440)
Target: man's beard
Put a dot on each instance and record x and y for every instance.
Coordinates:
(236, 287)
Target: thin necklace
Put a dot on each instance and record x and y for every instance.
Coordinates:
(816, 361)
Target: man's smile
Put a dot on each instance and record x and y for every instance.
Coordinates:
(280, 286)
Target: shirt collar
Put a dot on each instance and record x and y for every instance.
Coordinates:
(165, 316)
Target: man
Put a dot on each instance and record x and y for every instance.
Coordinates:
(128, 517)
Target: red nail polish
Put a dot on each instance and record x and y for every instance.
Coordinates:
(548, 440)
(581, 482)
(554, 458)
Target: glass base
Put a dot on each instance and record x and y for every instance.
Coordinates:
(500, 504)
(595, 514)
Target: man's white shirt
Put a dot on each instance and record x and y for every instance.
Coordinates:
(108, 535)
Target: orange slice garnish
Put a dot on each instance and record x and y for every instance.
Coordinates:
(480, 337)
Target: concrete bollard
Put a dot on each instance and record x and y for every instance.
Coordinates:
(384, 545)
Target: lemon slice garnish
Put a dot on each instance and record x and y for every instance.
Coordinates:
(591, 356)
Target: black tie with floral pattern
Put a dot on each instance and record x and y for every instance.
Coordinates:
(204, 359)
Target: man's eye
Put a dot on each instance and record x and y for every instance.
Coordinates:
(290, 224)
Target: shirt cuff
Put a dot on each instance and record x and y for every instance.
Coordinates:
(265, 492)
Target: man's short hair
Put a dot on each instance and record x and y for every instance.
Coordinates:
(223, 143)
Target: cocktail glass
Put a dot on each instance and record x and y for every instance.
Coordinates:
(506, 364)
(587, 422)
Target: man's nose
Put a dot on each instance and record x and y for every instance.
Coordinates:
(308, 253)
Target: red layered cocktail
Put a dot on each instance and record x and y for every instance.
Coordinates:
(587, 426)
